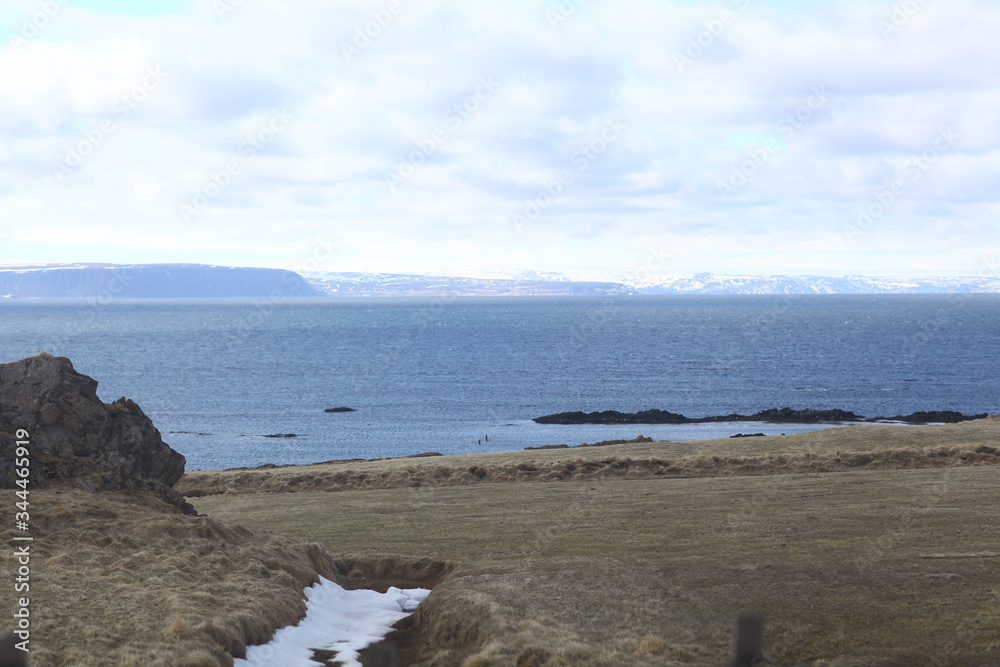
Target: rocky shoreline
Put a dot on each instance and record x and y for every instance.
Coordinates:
(774, 416)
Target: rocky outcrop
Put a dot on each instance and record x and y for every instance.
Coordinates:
(806, 416)
(935, 417)
(74, 435)
(340, 409)
(614, 417)
(778, 416)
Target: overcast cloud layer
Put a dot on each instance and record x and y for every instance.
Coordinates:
(739, 136)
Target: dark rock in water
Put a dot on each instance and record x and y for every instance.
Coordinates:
(532, 449)
(748, 435)
(614, 417)
(605, 443)
(937, 417)
(778, 415)
(341, 409)
(73, 435)
(282, 435)
(803, 416)
(664, 417)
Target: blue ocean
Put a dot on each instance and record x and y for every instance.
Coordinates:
(442, 374)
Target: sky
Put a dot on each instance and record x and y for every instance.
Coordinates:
(590, 137)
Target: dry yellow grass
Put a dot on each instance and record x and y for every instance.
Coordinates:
(123, 578)
(863, 566)
(885, 553)
(587, 571)
(832, 450)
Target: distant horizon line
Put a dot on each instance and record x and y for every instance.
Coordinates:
(499, 274)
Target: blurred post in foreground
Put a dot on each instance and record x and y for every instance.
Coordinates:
(10, 655)
(382, 654)
(748, 640)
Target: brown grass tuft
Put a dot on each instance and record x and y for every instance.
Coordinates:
(653, 646)
(202, 658)
(126, 579)
(534, 656)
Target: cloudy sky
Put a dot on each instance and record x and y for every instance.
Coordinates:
(735, 136)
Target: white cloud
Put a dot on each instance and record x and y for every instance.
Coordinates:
(395, 105)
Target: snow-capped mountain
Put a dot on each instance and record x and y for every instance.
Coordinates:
(57, 281)
(538, 283)
(395, 284)
(704, 283)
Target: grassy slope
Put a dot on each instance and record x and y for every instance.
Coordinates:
(892, 559)
(124, 579)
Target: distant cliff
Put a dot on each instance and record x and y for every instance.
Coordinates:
(145, 281)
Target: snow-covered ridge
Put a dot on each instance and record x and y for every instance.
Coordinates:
(704, 283)
(491, 282)
(393, 284)
(61, 281)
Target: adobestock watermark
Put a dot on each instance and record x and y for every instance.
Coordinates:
(377, 367)
(912, 347)
(562, 11)
(753, 331)
(94, 137)
(989, 266)
(900, 15)
(368, 32)
(712, 29)
(581, 160)
(975, 628)
(911, 171)
(221, 178)
(113, 283)
(21, 465)
(760, 155)
(321, 250)
(224, 7)
(927, 495)
(35, 23)
(453, 118)
(580, 335)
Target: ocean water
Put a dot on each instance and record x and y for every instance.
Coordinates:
(441, 374)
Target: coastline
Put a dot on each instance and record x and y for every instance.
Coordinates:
(862, 446)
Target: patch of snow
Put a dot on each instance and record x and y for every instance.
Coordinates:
(337, 620)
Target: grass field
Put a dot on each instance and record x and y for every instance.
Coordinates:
(865, 545)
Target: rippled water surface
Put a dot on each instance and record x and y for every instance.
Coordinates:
(440, 374)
